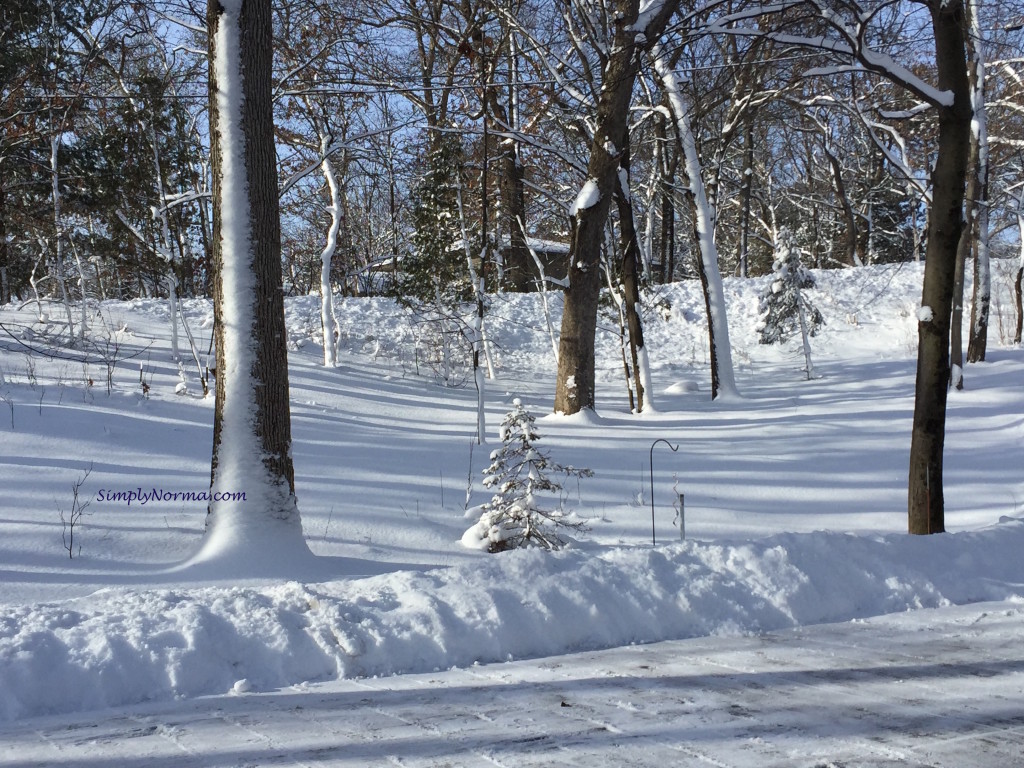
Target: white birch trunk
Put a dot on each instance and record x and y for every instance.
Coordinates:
(979, 126)
(83, 282)
(477, 338)
(168, 250)
(58, 236)
(808, 365)
(544, 300)
(328, 319)
(717, 319)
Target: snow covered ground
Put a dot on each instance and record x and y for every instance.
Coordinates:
(938, 688)
(794, 517)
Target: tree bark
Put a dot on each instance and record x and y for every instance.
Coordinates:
(723, 381)
(631, 286)
(925, 503)
(575, 389)
(978, 202)
(328, 320)
(252, 421)
(5, 251)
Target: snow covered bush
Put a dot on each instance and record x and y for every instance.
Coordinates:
(519, 473)
(784, 307)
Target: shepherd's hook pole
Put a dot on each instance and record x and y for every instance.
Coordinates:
(674, 449)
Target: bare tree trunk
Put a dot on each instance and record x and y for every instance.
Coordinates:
(5, 250)
(631, 287)
(252, 421)
(746, 192)
(1018, 293)
(852, 230)
(575, 386)
(58, 236)
(925, 502)
(956, 335)
(328, 321)
(982, 300)
(723, 381)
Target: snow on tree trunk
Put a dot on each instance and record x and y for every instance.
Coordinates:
(252, 422)
(327, 317)
(723, 380)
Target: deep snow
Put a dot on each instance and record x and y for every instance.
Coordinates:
(795, 499)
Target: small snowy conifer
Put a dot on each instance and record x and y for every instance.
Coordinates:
(783, 303)
(518, 473)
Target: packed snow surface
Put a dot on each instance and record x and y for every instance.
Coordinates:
(794, 500)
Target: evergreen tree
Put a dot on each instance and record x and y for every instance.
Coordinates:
(436, 268)
(784, 307)
(519, 473)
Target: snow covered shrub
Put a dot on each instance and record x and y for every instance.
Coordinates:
(784, 308)
(519, 473)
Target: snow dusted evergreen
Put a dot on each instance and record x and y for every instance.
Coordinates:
(784, 307)
(435, 270)
(518, 472)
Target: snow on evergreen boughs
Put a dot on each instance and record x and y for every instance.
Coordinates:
(783, 301)
(519, 473)
(435, 263)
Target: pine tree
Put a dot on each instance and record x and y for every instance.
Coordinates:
(784, 307)
(436, 267)
(519, 473)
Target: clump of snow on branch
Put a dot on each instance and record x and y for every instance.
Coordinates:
(521, 475)
(588, 196)
(785, 309)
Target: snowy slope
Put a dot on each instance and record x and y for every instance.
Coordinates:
(795, 499)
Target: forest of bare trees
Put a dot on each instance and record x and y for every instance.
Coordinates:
(443, 150)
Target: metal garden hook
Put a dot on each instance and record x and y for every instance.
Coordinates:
(674, 449)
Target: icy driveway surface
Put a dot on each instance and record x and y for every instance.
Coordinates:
(930, 688)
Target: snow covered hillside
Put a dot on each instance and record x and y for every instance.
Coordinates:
(794, 497)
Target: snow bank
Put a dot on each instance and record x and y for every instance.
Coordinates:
(119, 647)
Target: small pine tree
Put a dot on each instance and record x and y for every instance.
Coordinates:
(518, 472)
(784, 307)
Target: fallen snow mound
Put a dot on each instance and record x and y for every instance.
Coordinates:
(119, 647)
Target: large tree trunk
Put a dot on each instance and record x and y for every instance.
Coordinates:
(252, 421)
(925, 503)
(575, 387)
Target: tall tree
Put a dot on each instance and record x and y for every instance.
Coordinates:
(252, 422)
(845, 34)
